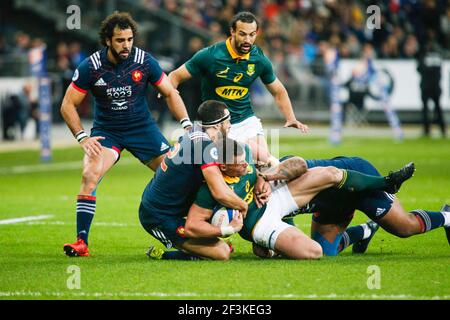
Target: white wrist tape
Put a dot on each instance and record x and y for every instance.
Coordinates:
(80, 136)
(227, 231)
(185, 122)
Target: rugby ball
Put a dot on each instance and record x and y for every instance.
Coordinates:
(222, 217)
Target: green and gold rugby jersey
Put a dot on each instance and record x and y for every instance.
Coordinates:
(243, 187)
(227, 76)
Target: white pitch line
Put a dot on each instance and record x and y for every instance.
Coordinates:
(25, 219)
(217, 295)
(102, 224)
(48, 167)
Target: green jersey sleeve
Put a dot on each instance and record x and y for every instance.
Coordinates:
(267, 75)
(204, 198)
(199, 63)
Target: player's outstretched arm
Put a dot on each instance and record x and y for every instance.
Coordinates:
(287, 170)
(179, 76)
(222, 192)
(173, 99)
(72, 99)
(280, 94)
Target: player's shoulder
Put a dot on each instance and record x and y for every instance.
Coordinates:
(140, 56)
(216, 49)
(258, 52)
(94, 61)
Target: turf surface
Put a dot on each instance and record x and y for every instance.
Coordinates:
(33, 265)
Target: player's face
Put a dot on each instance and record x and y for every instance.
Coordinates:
(237, 169)
(244, 36)
(121, 43)
(225, 127)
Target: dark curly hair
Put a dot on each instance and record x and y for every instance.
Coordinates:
(122, 20)
(244, 16)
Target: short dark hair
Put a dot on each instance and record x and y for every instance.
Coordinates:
(243, 16)
(227, 150)
(211, 110)
(122, 20)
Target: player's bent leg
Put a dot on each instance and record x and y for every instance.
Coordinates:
(156, 162)
(306, 187)
(329, 236)
(399, 222)
(404, 224)
(93, 170)
(214, 249)
(294, 244)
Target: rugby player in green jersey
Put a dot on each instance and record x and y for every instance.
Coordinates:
(263, 223)
(227, 70)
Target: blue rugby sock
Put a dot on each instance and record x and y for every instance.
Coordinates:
(429, 220)
(354, 234)
(179, 255)
(85, 214)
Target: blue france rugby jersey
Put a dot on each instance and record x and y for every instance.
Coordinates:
(176, 182)
(119, 90)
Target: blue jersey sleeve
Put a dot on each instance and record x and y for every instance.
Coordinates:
(82, 77)
(155, 72)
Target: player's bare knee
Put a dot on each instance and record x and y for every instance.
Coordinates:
(222, 253)
(314, 251)
(300, 164)
(332, 174)
(90, 180)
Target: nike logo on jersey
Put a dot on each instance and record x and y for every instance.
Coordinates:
(100, 82)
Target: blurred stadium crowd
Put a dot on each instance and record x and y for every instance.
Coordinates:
(293, 34)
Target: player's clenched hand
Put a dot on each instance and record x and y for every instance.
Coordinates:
(261, 192)
(237, 222)
(244, 211)
(296, 124)
(91, 146)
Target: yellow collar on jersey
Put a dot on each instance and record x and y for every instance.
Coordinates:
(231, 180)
(233, 53)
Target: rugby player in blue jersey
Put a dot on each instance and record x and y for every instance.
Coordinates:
(117, 76)
(169, 195)
(263, 223)
(333, 210)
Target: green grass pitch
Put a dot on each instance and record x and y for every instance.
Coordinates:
(33, 265)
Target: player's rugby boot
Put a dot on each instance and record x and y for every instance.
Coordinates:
(361, 246)
(396, 178)
(77, 249)
(154, 252)
(446, 208)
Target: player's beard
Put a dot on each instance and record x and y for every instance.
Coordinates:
(244, 50)
(117, 56)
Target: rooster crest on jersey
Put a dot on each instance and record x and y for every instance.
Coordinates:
(222, 217)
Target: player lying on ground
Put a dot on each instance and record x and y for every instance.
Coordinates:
(169, 195)
(263, 223)
(227, 70)
(333, 210)
(117, 76)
